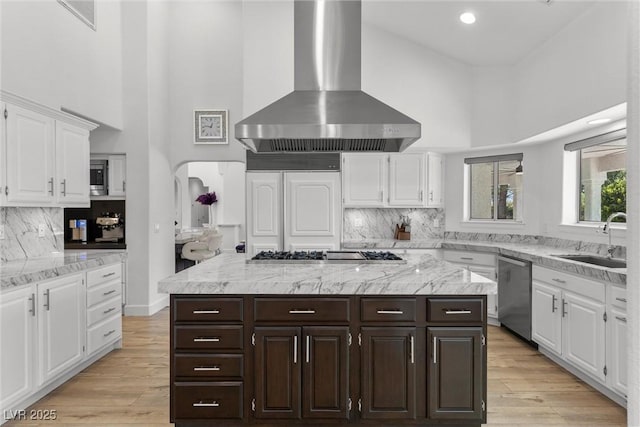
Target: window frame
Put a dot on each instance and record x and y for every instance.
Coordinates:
(495, 160)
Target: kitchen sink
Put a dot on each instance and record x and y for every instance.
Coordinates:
(596, 260)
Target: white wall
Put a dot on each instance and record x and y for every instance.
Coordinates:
(427, 86)
(492, 106)
(205, 72)
(50, 56)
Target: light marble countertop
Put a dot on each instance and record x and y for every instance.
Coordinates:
(536, 253)
(24, 272)
(229, 273)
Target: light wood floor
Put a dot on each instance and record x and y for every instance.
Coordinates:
(131, 386)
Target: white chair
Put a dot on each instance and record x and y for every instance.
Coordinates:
(207, 246)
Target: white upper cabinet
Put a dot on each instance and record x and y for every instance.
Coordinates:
(391, 180)
(117, 175)
(44, 157)
(435, 170)
(30, 157)
(264, 212)
(72, 158)
(364, 179)
(406, 180)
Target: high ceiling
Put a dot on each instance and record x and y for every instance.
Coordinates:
(505, 31)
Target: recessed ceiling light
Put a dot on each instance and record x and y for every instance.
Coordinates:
(468, 18)
(598, 121)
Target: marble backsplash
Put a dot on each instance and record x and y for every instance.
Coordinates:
(374, 223)
(21, 232)
(527, 239)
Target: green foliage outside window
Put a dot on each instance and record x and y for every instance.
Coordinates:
(614, 194)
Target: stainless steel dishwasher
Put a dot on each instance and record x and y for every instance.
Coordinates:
(514, 295)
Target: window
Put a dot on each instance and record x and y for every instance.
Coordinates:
(495, 187)
(602, 176)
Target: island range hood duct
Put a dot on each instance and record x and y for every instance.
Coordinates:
(327, 111)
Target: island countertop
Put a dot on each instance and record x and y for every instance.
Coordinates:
(229, 273)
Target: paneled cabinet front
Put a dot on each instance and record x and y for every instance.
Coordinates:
(300, 360)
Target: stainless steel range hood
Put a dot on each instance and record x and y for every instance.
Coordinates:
(327, 111)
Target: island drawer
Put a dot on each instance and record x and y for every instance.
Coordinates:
(208, 366)
(102, 311)
(198, 337)
(103, 293)
(301, 309)
(455, 310)
(208, 309)
(208, 400)
(104, 274)
(388, 309)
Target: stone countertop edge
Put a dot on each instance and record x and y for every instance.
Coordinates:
(18, 274)
(538, 254)
(422, 274)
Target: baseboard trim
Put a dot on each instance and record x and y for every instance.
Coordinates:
(620, 400)
(147, 310)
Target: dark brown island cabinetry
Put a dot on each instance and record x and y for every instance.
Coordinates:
(320, 360)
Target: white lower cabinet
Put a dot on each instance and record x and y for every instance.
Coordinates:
(61, 325)
(574, 318)
(49, 332)
(480, 263)
(17, 326)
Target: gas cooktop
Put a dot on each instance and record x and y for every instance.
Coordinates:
(329, 256)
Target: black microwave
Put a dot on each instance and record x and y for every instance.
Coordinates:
(99, 177)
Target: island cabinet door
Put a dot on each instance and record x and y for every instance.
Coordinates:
(388, 373)
(277, 372)
(325, 379)
(455, 381)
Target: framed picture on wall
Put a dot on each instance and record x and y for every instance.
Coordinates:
(210, 126)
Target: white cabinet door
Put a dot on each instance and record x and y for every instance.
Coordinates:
(546, 316)
(583, 338)
(406, 180)
(617, 355)
(61, 325)
(17, 311)
(492, 300)
(72, 165)
(312, 211)
(30, 151)
(435, 171)
(264, 212)
(364, 180)
(117, 175)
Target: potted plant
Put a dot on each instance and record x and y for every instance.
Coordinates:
(209, 199)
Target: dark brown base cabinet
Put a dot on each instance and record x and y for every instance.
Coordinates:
(305, 360)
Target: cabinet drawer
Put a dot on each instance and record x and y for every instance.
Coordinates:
(301, 309)
(208, 366)
(208, 400)
(208, 309)
(455, 310)
(464, 257)
(619, 297)
(104, 333)
(102, 311)
(197, 337)
(570, 282)
(103, 293)
(388, 309)
(104, 274)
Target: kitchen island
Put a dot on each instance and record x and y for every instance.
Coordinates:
(322, 343)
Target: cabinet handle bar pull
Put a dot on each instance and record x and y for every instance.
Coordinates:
(109, 293)
(467, 258)
(47, 304)
(206, 311)
(390, 312)
(109, 274)
(113, 331)
(206, 339)
(435, 350)
(553, 303)
(308, 347)
(302, 311)
(109, 311)
(622, 319)
(413, 350)
(295, 349)
(206, 368)
(202, 404)
(559, 280)
(621, 299)
(448, 311)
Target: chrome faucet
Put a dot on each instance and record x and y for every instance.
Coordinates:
(607, 227)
